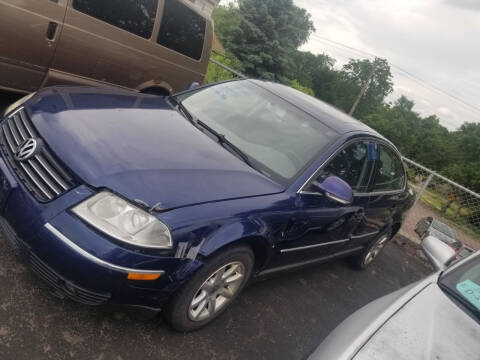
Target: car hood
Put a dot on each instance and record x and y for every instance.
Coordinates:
(138, 146)
(430, 326)
(415, 322)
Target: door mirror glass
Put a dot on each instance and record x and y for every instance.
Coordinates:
(338, 190)
(437, 252)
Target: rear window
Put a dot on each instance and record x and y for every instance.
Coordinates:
(135, 16)
(182, 29)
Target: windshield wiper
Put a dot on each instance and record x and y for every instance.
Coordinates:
(180, 107)
(222, 140)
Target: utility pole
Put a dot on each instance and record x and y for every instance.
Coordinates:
(363, 90)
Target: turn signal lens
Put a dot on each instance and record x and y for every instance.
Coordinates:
(144, 277)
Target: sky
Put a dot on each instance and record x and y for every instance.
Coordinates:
(434, 46)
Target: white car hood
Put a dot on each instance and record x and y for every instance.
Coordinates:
(429, 326)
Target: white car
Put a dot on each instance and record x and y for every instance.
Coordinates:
(435, 318)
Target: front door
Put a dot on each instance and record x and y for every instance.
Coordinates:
(29, 31)
(322, 227)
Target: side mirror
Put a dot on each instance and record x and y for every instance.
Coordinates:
(337, 190)
(437, 252)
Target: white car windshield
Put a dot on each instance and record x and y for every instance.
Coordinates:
(463, 284)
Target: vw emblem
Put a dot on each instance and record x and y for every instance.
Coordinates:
(26, 150)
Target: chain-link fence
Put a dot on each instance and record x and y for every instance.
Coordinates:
(445, 201)
(437, 196)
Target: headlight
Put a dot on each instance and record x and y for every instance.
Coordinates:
(18, 103)
(123, 221)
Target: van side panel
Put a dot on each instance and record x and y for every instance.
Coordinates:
(96, 50)
(25, 50)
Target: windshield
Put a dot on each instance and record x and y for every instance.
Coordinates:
(463, 283)
(279, 138)
(447, 230)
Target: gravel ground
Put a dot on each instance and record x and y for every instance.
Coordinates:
(285, 317)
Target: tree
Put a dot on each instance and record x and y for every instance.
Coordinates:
(226, 19)
(296, 85)
(266, 36)
(306, 66)
(357, 74)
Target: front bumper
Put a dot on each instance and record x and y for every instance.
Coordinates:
(75, 274)
(61, 286)
(79, 262)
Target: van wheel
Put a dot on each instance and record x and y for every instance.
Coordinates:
(211, 290)
(363, 260)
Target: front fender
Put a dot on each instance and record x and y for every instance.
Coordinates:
(235, 233)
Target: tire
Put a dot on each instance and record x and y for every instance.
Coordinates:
(362, 261)
(187, 311)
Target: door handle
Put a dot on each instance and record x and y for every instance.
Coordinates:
(51, 30)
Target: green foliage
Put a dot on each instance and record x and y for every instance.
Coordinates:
(216, 73)
(296, 85)
(263, 34)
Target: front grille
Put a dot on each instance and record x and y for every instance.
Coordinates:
(42, 174)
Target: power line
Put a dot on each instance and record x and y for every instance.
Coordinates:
(415, 78)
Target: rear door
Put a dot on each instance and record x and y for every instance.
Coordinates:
(387, 191)
(29, 31)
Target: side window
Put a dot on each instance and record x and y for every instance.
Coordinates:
(352, 165)
(135, 16)
(182, 29)
(389, 173)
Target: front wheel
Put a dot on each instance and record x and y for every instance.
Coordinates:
(211, 290)
(362, 261)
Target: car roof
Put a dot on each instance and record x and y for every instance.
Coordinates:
(327, 114)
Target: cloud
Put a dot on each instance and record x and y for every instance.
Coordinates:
(467, 4)
(434, 41)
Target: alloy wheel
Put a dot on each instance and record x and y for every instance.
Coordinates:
(217, 291)
(376, 249)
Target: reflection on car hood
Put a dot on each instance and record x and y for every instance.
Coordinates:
(430, 326)
(139, 147)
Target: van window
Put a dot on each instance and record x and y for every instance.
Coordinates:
(182, 29)
(135, 16)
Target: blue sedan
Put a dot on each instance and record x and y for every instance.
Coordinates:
(124, 199)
